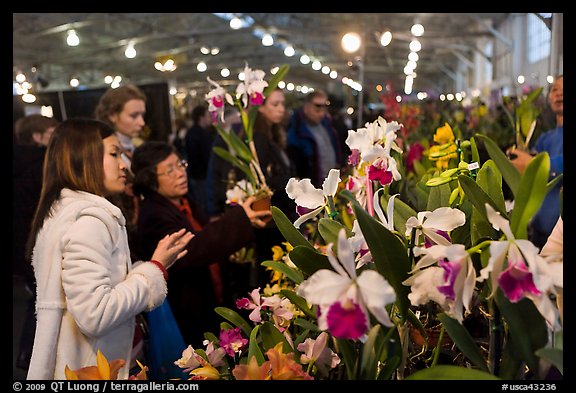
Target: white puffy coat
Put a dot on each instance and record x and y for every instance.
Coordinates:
(88, 291)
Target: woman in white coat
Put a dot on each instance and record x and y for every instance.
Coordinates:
(88, 290)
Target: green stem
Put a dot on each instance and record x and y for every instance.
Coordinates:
(495, 351)
(437, 348)
(479, 247)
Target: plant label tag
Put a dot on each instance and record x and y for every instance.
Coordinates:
(473, 165)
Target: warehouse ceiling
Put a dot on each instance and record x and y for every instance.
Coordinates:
(39, 43)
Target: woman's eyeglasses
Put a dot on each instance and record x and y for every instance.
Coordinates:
(180, 165)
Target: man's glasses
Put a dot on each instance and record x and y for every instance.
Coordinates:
(320, 106)
(180, 165)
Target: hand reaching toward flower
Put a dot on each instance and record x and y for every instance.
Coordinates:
(253, 215)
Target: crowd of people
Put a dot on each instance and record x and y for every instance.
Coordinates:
(108, 226)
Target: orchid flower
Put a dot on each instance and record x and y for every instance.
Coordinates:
(435, 225)
(450, 284)
(374, 143)
(232, 341)
(526, 274)
(255, 305)
(310, 201)
(356, 184)
(316, 352)
(251, 90)
(215, 99)
(242, 189)
(359, 246)
(344, 297)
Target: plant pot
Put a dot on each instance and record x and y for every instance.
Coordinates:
(263, 203)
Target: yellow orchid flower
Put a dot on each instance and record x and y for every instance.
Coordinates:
(207, 372)
(444, 134)
(103, 370)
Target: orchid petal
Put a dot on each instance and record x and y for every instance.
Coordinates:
(376, 293)
(307, 216)
(445, 219)
(330, 184)
(323, 287)
(304, 193)
(498, 222)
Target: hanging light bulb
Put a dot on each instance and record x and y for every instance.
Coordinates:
(130, 52)
(72, 39)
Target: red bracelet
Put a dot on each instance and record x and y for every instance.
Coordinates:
(161, 267)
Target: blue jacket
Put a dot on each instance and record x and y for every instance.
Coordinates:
(303, 149)
(552, 142)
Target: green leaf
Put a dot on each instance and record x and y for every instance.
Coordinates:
(369, 356)
(329, 230)
(389, 254)
(278, 76)
(450, 372)
(253, 348)
(474, 149)
(509, 172)
(554, 356)
(286, 227)
(531, 194)
(489, 179)
(463, 340)
(349, 356)
(306, 324)
(439, 197)
(272, 336)
(211, 337)
(234, 141)
(309, 260)
(478, 197)
(235, 161)
(552, 183)
(294, 275)
(519, 316)
(299, 301)
(235, 318)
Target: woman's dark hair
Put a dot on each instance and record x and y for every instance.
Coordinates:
(75, 160)
(145, 159)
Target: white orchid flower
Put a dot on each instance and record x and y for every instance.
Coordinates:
(308, 197)
(375, 141)
(342, 288)
(450, 284)
(252, 88)
(526, 274)
(241, 191)
(435, 225)
(359, 246)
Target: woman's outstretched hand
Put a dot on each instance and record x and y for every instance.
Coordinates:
(172, 247)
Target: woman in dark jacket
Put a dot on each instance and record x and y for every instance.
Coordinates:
(195, 283)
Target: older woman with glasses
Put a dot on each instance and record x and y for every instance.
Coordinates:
(195, 285)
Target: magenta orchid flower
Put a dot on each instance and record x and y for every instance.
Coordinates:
(450, 283)
(517, 268)
(215, 99)
(344, 297)
(310, 201)
(232, 341)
